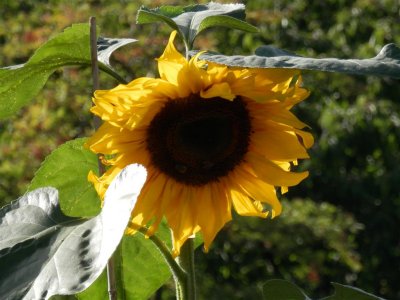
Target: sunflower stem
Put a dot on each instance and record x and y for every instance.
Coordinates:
(186, 262)
(176, 270)
(180, 276)
(111, 279)
(113, 74)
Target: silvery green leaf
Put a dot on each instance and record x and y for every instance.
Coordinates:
(106, 46)
(386, 63)
(43, 253)
(189, 21)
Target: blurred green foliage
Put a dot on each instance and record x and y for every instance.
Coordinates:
(309, 245)
(339, 225)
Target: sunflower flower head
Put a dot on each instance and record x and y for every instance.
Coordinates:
(211, 138)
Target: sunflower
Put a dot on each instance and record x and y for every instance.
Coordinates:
(211, 138)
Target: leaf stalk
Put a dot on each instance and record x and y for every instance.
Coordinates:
(186, 262)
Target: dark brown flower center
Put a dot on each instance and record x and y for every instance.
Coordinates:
(196, 141)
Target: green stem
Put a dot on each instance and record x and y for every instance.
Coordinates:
(187, 49)
(186, 262)
(176, 270)
(112, 73)
(182, 267)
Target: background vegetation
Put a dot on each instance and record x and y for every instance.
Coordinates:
(339, 225)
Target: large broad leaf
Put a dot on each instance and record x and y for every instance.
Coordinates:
(386, 63)
(189, 21)
(66, 169)
(349, 292)
(140, 269)
(19, 84)
(278, 289)
(43, 253)
(137, 259)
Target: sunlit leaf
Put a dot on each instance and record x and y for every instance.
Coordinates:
(66, 169)
(226, 21)
(138, 260)
(349, 292)
(386, 63)
(141, 269)
(44, 253)
(21, 83)
(142, 263)
(189, 21)
(18, 85)
(278, 289)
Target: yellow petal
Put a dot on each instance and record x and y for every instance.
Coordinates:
(284, 189)
(275, 112)
(180, 213)
(306, 137)
(246, 207)
(101, 183)
(171, 62)
(109, 139)
(271, 173)
(148, 205)
(297, 95)
(135, 106)
(213, 210)
(274, 76)
(185, 220)
(215, 73)
(222, 90)
(276, 144)
(253, 187)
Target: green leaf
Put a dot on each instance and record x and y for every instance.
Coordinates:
(97, 290)
(226, 21)
(140, 271)
(189, 21)
(386, 63)
(66, 169)
(349, 292)
(138, 260)
(21, 83)
(44, 253)
(143, 269)
(162, 14)
(278, 289)
(140, 268)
